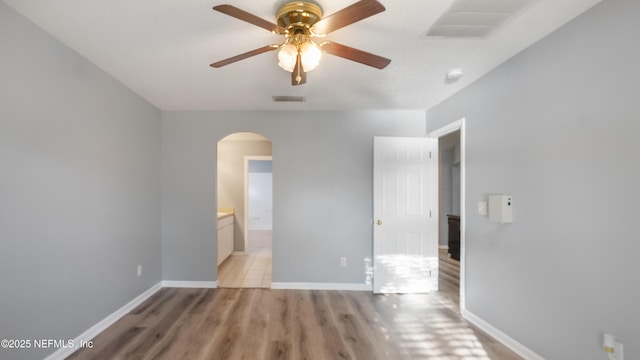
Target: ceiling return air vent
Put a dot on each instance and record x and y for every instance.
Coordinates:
(475, 18)
(287, 98)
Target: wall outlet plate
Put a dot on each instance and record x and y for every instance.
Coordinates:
(343, 261)
(618, 351)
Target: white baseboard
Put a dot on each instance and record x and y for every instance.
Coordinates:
(190, 284)
(507, 340)
(96, 329)
(445, 247)
(321, 286)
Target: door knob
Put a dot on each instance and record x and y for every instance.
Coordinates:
(379, 222)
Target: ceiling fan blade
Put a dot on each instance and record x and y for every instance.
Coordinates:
(243, 56)
(298, 76)
(250, 18)
(347, 16)
(356, 55)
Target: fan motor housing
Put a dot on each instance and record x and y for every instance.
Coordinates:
(298, 16)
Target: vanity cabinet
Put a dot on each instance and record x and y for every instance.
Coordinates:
(225, 237)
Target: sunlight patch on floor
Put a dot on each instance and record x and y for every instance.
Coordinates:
(402, 273)
(427, 328)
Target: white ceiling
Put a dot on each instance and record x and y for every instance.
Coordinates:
(161, 49)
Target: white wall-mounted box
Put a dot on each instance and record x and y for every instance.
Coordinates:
(501, 208)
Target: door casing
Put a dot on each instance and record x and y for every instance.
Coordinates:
(437, 133)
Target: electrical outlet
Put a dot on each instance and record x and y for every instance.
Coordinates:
(343, 261)
(619, 351)
(139, 270)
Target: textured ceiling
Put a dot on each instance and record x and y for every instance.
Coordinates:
(161, 50)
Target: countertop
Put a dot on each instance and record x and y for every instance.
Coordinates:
(222, 215)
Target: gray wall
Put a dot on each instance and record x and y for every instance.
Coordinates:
(231, 179)
(557, 127)
(79, 190)
(322, 189)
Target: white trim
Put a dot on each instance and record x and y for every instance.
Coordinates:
(190, 284)
(103, 324)
(505, 339)
(444, 130)
(447, 129)
(239, 253)
(321, 286)
(443, 247)
(463, 212)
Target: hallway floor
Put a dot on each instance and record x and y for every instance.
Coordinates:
(249, 270)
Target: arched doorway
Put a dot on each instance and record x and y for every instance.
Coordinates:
(244, 189)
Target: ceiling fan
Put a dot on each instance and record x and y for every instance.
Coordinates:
(299, 22)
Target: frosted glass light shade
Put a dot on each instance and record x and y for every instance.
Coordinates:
(310, 52)
(311, 55)
(287, 56)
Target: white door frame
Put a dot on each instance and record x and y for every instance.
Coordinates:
(438, 133)
(246, 196)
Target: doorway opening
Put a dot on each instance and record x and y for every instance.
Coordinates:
(245, 191)
(451, 190)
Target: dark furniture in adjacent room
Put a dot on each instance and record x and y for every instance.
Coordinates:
(454, 236)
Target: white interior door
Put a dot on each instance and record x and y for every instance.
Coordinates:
(260, 202)
(405, 229)
(260, 218)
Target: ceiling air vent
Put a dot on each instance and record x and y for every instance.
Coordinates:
(474, 18)
(286, 98)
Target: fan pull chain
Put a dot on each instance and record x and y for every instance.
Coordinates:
(299, 66)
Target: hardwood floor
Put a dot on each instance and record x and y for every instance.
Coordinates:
(449, 277)
(292, 324)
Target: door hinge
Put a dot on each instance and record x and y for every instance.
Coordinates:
(430, 213)
(429, 154)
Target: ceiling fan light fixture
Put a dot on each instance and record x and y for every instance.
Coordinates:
(310, 54)
(300, 21)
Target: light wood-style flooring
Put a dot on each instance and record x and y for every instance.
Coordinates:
(295, 324)
(449, 277)
(292, 324)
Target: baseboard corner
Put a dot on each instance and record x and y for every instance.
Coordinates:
(499, 335)
(103, 324)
